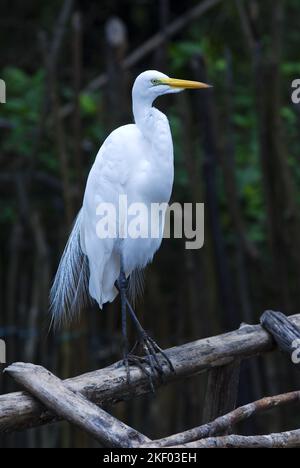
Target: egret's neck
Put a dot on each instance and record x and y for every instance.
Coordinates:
(155, 128)
(142, 111)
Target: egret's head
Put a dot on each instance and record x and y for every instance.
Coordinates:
(151, 84)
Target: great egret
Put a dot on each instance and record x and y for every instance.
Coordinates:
(135, 160)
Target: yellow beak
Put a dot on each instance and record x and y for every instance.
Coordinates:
(184, 84)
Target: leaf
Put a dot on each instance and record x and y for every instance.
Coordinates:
(88, 104)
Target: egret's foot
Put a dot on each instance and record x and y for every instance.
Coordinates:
(150, 364)
(153, 353)
(149, 346)
(142, 364)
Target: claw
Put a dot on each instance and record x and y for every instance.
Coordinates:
(150, 359)
(152, 351)
(140, 363)
(160, 351)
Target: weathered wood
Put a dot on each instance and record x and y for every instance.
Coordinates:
(222, 390)
(285, 332)
(73, 407)
(224, 423)
(108, 386)
(289, 439)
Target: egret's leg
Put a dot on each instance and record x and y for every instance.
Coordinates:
(151, 347)
(128, 358)
(122, 283)
(143, 339)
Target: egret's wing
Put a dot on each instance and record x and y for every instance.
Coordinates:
(106, 182)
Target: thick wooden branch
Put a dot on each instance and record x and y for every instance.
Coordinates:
(108, 386)
(284, 331)
(73, 407)
(289, 439)
(224, 423)
(222, 390)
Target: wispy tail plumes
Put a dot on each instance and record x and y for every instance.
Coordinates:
(69, 293)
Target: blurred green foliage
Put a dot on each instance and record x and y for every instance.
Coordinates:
(26, 92)
(22, 109)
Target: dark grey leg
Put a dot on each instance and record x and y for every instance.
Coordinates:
(149, 344)
(122, 284)
(150, 347)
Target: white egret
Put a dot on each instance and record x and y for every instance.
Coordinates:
(135, 160)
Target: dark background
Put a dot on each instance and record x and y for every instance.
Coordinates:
(236, 149)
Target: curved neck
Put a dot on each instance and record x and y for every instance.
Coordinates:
(141, 111)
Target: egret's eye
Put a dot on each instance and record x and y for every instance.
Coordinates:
(155, 82)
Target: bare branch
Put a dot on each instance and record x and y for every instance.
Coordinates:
(246, 25)
(73, 407)
(58, 34)
(224, 423)
(108, 386)
(289, 439)
(149, 46)
(51, 58)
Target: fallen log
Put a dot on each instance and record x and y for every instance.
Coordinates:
(74, 407)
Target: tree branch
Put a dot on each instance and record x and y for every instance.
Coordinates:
(289, 439)
(108, 386)
(224, 423)
(73, 407)
(284, 332)
(149, 46)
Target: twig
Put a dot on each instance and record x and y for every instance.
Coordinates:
(224, 423)
(149, 46)
(289, 439)
(75, 408)
(60, 137)
(117, 91)
(58, 34)
(77, 73)
(246, 26)
(51, 58)
(108, 386)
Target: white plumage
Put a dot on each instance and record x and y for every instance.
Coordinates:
(137, 161)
